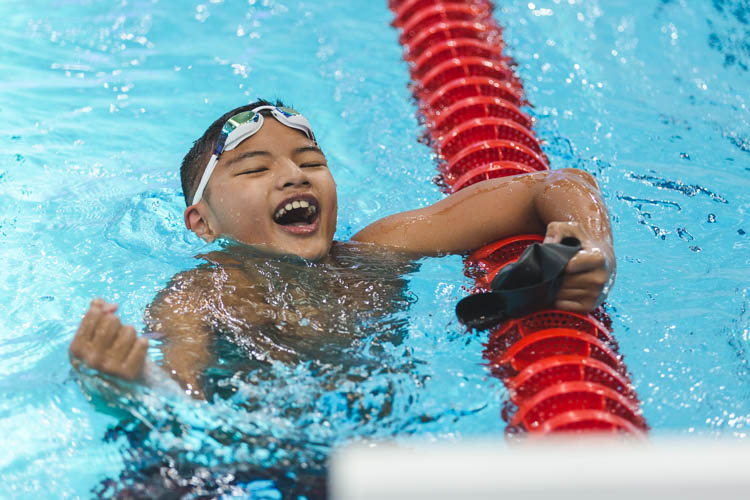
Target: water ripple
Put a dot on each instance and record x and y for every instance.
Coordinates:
(686, 189)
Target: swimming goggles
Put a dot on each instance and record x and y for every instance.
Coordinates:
(243, 125)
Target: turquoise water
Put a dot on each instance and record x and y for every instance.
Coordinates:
(100, 101)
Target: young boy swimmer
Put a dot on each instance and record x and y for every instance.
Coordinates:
(257, 176)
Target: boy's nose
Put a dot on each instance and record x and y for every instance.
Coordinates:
(290, 175)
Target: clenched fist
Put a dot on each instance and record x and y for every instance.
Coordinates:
(103, 343)
(590, 273)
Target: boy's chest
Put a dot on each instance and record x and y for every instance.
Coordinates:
(328, 305)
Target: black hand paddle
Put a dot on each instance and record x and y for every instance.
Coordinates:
(530, 283)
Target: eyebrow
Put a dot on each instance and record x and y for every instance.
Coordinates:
(253, 154)
(307, 149)
(246, 155)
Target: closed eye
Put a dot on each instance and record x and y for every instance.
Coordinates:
(253, 171)
(313, 165)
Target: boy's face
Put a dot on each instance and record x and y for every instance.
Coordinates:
(273, 191)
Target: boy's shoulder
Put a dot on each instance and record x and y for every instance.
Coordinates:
(215, 268)
(196, 292)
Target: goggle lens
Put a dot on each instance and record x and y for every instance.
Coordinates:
(240, 119)
(288, 112)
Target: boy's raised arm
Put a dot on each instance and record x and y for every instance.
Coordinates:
(555, 203)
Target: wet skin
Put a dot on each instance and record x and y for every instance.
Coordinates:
(278, 310)
(279, 165)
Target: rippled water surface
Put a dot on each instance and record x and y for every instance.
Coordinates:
(100, 101)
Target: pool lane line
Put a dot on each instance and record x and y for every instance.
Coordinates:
(562, 370)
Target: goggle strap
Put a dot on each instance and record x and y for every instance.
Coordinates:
(220, 144)
(204, 179)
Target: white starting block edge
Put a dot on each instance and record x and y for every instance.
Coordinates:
(579, 468)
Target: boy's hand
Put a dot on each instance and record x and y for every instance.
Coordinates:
(590, 273)
(106, 345)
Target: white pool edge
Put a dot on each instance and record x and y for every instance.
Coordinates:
(566, 468)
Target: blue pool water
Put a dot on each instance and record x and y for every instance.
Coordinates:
(100, 101)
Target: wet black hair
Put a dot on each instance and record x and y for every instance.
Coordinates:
(196, 159)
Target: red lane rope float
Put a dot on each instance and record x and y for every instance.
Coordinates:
(483, 129)
(566, 368)
(454, 91)
(405, 10)
(588, 421)
(561, 369)
(476, 107)
(440, 12)
(449, 49)
(508, 362)
(572, 396)
(491, 151)
(455, 68)
(512, 330)
(502, 253)
(448, 30)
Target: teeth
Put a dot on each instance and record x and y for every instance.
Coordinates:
(295, 204)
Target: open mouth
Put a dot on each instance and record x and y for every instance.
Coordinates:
(297, 212)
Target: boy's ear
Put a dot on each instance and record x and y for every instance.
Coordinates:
(197, 221)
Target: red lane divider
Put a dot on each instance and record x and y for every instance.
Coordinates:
(588, 421)
(456, 90)
(476, 107)
(561, 369)
(490, 151)
(508, 362)
(406, 10)
(572, 396)
(513, 330)
(484, 129)
(455, 68)
(448, 30)
(501, 253)
(449, 49)
(566, 368)
(440, 12)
